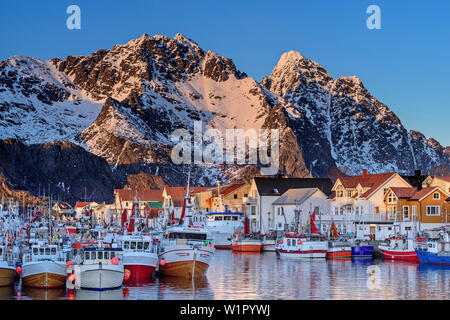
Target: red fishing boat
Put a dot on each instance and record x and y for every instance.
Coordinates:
(338, 249)
(399, 248)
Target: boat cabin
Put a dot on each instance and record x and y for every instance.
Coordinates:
(43, 252)
(137, 244)
(93, 255)
(6, 254)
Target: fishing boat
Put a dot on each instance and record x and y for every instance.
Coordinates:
(399, 248)
(98, 268)
(338, 248)
(246, 242)
(222, 225)
(361, 249)
(298, 246)
(185, 250)
(436, 252)
(140, 256)
(268, 242)
(44, 266)
(7, 266)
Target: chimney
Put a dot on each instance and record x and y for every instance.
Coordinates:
(418, 173)
(364, 173)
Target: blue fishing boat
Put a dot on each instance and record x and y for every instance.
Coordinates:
(362, 251)
(436, 252)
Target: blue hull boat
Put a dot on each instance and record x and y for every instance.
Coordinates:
(426, 257)
(362, 251)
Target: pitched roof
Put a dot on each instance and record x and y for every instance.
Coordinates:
(227, 189)
(142, 195)
(445, 178)
(82, 204)
(422, 193)
(372, 181)
(404, 192)
(294, 196)
(178, 193)
(269, 186)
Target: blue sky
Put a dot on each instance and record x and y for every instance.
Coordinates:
(405, 65)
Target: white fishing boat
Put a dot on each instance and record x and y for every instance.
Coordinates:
(44, 266)
(184, 250)
(97, 268)
(221, 227)
(293, 246)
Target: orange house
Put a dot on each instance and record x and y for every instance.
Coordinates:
(426, 205)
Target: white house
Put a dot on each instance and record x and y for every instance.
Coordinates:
(265, 190)
(304, 202)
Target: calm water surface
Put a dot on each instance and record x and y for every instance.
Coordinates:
(267, 276)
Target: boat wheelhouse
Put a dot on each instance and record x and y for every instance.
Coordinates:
(296, 246)
(222, 225)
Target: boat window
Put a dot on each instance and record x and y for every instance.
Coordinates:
(294, 242)
(53, 251)
(35, 251)
(235, 218)
(47, 251)
(86, 255)
(289, 242)
(189, 236)
(113, 254)
(41, 251)
(218, 218)
(106, 254)
(133, 245)
(227, 218)
(126, 245)
(146, 245)
(93, 255)
(99, 255)
(139, 245)
(430, 245)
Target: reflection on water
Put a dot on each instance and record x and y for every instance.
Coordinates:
(43, 294)
(234, 275)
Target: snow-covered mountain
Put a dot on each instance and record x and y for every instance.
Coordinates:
(124, 103)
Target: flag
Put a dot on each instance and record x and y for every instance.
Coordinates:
(334, 231)
(124, 217)
(313, 226)
(183, 211)
(131, 224)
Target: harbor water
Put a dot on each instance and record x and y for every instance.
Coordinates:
(254, 276)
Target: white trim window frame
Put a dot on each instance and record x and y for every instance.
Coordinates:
(406, 216)
(436, 209)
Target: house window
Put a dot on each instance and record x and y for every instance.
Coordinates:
(279, 225)
(414, 212)
(406, 213)
(342, 211)
(349, 193)
(253, 210)
(377, 209)
(385, 190)
(279, 211)
(336, 211)
(357, 211)
(433, 211)
(436, 196)
(235, 196)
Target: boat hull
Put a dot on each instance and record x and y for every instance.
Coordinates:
(101, 277)
(432, 258)
(7, 276)
(339, 253)
(306, 254)
(247, 247)
(185, 262)
(44, 274)
(407, 255)
(362, 251)
(140, 264)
